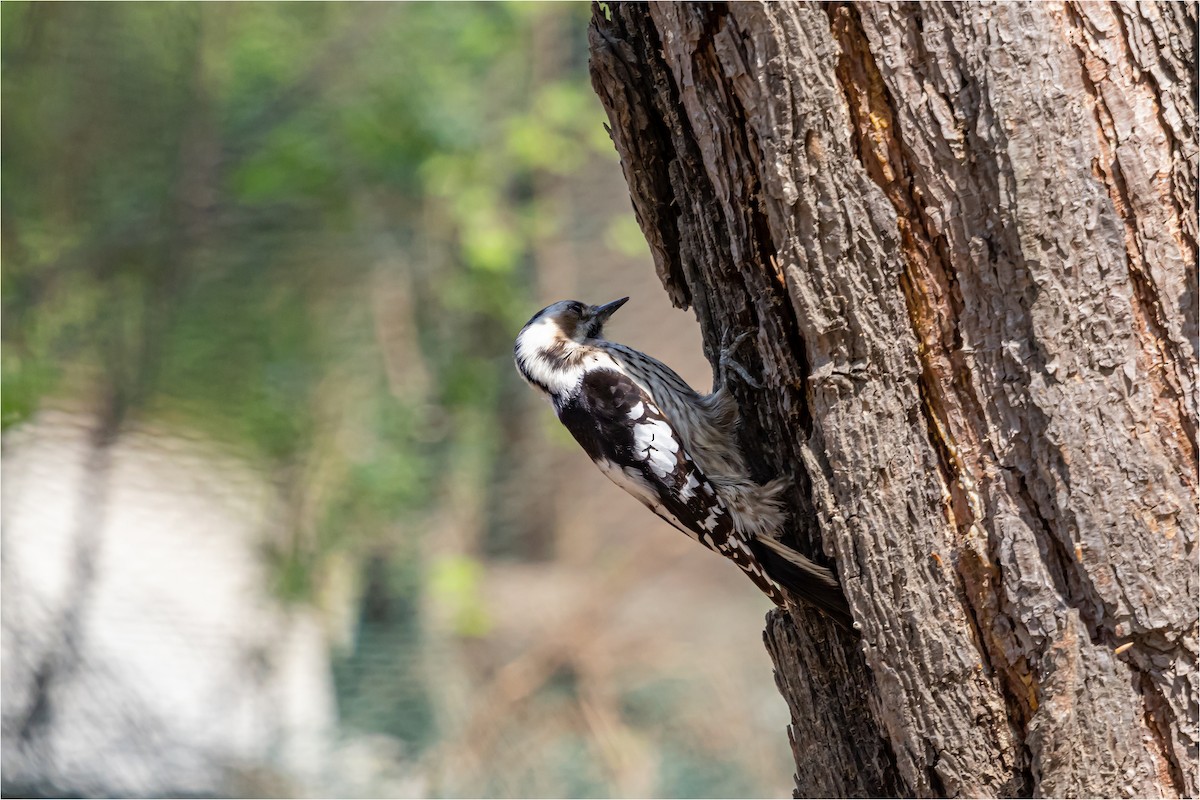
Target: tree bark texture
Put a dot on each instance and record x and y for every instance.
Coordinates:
(965, 236)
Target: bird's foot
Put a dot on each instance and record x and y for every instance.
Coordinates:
(727, 363)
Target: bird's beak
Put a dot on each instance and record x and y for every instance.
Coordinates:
(602, 313)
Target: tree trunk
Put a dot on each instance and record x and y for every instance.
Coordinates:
(966, 238)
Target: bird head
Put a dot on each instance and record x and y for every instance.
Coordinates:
(552, 344)
(573, 320)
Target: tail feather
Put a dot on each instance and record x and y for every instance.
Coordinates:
(808, 581)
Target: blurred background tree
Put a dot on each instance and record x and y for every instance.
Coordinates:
(304, 235)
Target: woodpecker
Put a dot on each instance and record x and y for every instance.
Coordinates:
(671, 447)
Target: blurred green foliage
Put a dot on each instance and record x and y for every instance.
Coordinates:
(455, 581)
(200, 200)
(306, 230)
(196, 198)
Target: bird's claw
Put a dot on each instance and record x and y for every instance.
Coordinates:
(727, 362)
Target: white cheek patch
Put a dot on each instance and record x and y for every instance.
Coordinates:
(638, 411)
(538, 336)
(533, 343)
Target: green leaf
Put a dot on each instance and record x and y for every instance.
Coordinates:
(454, 583)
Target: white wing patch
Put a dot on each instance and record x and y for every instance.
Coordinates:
(655, 442)
(689, 489)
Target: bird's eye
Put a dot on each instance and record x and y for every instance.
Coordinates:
(577, 307)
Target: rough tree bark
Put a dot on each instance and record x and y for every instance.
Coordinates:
(966, 238)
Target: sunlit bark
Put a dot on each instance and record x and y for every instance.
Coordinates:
(966, 238)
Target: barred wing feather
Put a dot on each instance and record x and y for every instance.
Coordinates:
(625, 433)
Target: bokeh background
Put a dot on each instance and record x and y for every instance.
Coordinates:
(278, 516)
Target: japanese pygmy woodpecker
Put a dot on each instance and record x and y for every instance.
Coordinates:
(669, 446)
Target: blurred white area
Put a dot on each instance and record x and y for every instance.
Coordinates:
(186, 677)
(181, 673)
